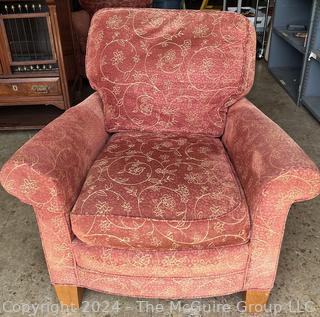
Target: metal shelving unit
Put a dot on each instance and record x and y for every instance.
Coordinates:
(295, 62)
(289, 37)
(262, 7)
(310, 94)
(288, 77)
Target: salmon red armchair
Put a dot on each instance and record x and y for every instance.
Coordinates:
(166, 182)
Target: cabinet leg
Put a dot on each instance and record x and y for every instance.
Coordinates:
(256, 300)
(69, 295)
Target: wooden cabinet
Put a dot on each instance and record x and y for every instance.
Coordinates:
(36, 53)
(30, 87)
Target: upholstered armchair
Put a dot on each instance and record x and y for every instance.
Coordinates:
(81, 23)
(166, 182)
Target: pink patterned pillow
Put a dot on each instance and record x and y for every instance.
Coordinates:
(91, 6)
(169, 70)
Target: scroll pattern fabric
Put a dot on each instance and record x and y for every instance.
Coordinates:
(274, 172)
(161, 192)
(168, 70)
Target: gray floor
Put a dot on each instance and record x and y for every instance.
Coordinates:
(23, 274)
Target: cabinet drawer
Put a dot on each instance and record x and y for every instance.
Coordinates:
(30, 87)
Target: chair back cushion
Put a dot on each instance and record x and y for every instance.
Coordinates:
(169, 70)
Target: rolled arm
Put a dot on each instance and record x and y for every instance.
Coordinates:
(48, 171)
(274, 172)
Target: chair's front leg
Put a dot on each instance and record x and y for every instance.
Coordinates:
(69, 295)
(256, 301)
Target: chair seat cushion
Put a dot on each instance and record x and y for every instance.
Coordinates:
(161, 192)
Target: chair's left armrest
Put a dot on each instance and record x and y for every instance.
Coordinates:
(274, 173)
(48, 171)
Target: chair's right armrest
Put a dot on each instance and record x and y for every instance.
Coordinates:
(274, 173)
(266, 158)
(48, 171)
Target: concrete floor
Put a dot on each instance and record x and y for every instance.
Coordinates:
(23, 274)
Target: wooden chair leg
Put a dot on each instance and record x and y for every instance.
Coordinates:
(69, 295)
(256, 300)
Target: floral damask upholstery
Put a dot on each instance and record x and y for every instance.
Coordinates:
(81, 22)
(166, 182)
(155, 70)
(161, 192)
(182, 264)
(162, 274)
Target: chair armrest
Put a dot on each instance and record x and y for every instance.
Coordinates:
(48, 171)
(274, 173)
(264, 156)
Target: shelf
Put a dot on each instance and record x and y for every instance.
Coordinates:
(317, 53)
(288, 36)
(289, 60)
(289, 79)
(313, 105)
